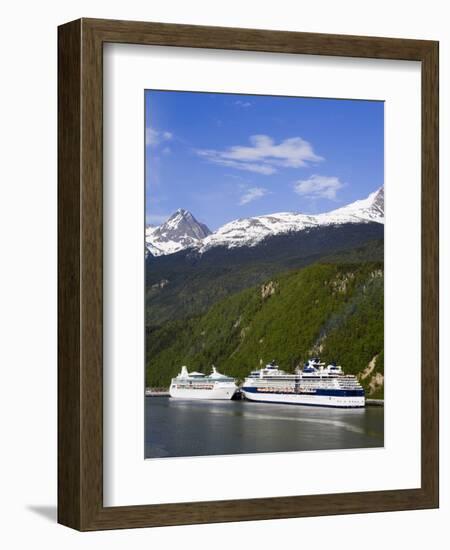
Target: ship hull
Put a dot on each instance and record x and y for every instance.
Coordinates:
(335, 401)
(223, 394)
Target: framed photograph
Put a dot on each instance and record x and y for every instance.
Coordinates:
(248, 274)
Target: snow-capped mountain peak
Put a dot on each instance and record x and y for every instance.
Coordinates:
(251, 231)
(182, 230)
(368, 209)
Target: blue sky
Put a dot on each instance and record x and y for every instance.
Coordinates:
(228, 156)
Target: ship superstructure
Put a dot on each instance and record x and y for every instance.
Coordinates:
(197, 385)
(314, 384)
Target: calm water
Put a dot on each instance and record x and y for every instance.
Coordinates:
(195, 428)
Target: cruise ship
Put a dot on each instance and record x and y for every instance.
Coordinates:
(314, 384)
(196, 385)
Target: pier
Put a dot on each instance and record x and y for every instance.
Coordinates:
(155, 393)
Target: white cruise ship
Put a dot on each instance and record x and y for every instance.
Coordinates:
(315, 384)
(196, 385)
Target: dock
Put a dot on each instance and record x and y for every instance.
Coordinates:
(375, 402)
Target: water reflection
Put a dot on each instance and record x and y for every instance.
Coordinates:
(197, 428)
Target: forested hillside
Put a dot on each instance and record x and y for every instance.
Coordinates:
(334, 310)
(188, 283)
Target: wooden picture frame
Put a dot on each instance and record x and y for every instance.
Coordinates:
(80, 272)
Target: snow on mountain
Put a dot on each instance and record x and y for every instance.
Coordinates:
(251, 231)
(182, 230)
(370, 209)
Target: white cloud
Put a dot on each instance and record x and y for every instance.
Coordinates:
(264, 156)
(241, 103)
(264, 169)
(153, 137)
(252, 194)
(319, 187)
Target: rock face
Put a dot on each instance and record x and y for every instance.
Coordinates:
(183, 231)
(160, 285)
(376, 382)
(180, 231)
(378, 203)
(268, 290)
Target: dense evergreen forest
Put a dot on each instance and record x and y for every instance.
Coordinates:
(333, 308)
(185, 284)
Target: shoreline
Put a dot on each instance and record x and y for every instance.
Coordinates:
(154, 392)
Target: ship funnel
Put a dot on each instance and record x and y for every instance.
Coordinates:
(184, 372)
